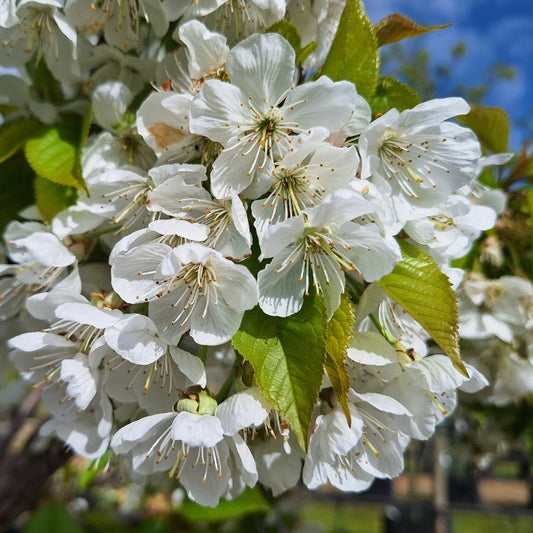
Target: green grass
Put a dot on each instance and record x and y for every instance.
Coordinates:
(506, 470)
(345, 517)
(368, 518)
(470, 522)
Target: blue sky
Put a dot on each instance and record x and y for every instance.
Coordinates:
(493, 30)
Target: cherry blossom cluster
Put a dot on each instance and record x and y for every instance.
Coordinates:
(238, 181)
(496, 323)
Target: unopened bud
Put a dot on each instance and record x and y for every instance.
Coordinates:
(207, 404)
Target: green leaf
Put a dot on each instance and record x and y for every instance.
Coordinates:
(44, 87)
(54, 154)
(16, 187)
(354, 54)
(155, 524)
(288, 30)
(51, 198)
(305, 52)
(84, 135)
(52, 518)
(396, 27)
(287, 355)
(91, 470)
(390, 93)
(6, 109)
(424, 291)
(338, 336)
(13, 135)
(530, 224)
(491, 125)
(248, 502)
(130, 115)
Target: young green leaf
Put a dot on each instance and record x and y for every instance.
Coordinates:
(84, 135)
(51, 198)
(54, 154)
(396, 27)
(391, 93)
(424, 291)
(491, 125)
(338, 336)
(354, 54)
(305, 52)
(45, 86)
(287, 355)
(16, 187)
(14, 133)
(288, 30)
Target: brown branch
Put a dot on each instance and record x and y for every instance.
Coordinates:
(24, 472)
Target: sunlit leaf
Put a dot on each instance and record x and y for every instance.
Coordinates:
(305, 52)
(396, 27)
(288, 30)
(354, 54)
(287, 355)
(491, 125)
(425, 292)
(13, 135)
(54, 154)
(391, 93)
(339, 334)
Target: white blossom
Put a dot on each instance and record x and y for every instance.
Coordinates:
(419, 156)
(315, 248)
(255, 116)
(204, 57)
(192, 447)
(41, 31)
(190, 287)
(41, 263)
(118, 19)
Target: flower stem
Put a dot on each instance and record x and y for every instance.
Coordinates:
(203, 354)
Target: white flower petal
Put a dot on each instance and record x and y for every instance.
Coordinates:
(207, 51)
(126, 438)
(181, 228)
(217, 110)
(197, 430)
(190, 365)
(88, 314)
(81, 384)
(242, 410)
(134, 338)
(131, 272)
(262, 66)
(326, 103)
